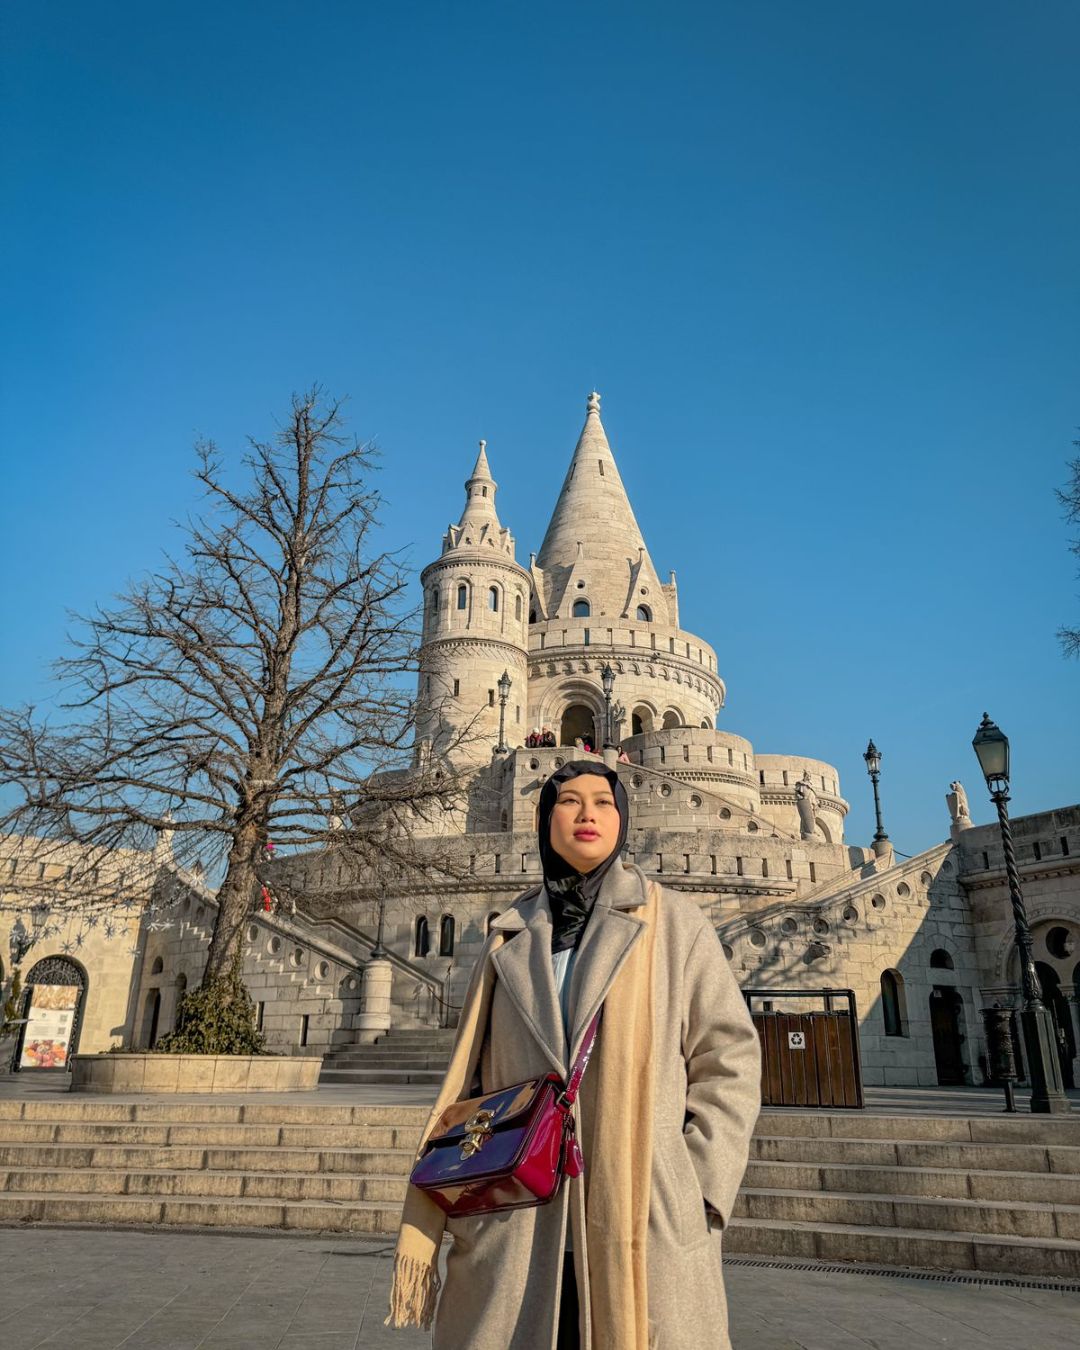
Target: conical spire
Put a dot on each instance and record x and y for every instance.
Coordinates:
(593, 533)
(479, 524)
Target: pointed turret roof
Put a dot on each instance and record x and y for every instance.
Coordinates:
(479, 525)
(594, 535)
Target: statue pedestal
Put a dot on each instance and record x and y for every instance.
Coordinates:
(373, 1019)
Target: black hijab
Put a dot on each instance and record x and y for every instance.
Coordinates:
(573, 893)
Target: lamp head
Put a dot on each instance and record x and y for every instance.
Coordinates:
(504, 685)
(991, 747)
(872, 755)
(607, 679)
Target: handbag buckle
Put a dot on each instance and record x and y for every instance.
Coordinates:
(477, 1132)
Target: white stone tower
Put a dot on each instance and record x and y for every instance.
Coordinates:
(476, 615)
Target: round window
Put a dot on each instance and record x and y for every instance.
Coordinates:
(636, 780)
(789, 925)
(322, 970)
(903, 890)
(253, 933)
(752, 826)
(665, 789)
(878, 901)
(1060, 943)
(274, 946)
(820, 927)
(757, 937)
(695, 801)
(297, 957)
(725, 814)
(851, 914)
(729, 951)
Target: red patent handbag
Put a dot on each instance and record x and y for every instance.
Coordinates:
(509, 1149)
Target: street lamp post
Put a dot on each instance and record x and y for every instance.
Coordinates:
(607, 679)
(991, 746)
(505, 683)
(872, 755)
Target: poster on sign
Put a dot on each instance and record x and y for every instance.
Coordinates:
(49, 1024)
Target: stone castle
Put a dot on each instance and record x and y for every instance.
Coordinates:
(757, 838)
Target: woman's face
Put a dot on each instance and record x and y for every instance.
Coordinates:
(585, 822)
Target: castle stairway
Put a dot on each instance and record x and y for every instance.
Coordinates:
(979, 1193)
(415, 1056)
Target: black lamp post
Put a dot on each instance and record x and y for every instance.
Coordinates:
(607, 679)
(505, 683)
(991, 745)
(19, 942)
(872, 755)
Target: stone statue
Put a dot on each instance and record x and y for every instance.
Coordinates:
(957, 802)
(806, 801)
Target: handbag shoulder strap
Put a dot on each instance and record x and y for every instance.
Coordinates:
(577, 1072)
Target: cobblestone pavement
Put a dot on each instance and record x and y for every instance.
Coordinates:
(85, 1289)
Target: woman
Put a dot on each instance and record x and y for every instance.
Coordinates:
(628, 1256)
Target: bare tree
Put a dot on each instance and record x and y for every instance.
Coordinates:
(254, 693)
(1070, 500)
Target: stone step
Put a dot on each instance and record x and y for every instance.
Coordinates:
(288, 1188)
(913, 1153)
(903, 1247)
(1007, 1218)
(206, 1211)
(116, 1157)
(81, 1108)
(209, 1135)
(432, 1077)
(1020, 1128)
(1049, 1187)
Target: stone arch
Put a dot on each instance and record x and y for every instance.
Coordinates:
(644, 614)
(825, 831)
(581, 609)
(421, 936)
(672, 719)
(642, 719)
(157, 966)
(578, 719)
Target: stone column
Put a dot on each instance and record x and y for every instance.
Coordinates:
(373, 1019)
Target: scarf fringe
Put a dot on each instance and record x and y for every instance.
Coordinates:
(414, 1293)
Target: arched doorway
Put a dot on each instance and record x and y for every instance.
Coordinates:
(577, 721)
(53, 1006)
(1058, 1005)
(947, 1028)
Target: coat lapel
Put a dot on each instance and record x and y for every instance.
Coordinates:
(523, 964)
(609, 937)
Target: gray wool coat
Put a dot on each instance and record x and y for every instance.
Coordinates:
(504, 1271)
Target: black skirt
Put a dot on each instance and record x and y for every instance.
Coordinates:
(568, 1338)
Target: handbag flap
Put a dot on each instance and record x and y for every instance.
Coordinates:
(505, 1106)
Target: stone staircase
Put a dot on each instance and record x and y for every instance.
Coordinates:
(419, 1056)
(987, 1193)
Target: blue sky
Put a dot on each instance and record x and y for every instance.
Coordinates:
(820, 260)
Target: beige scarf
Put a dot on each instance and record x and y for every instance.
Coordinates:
(618, 1172)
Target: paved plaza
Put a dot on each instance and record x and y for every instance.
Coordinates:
(83, 1289)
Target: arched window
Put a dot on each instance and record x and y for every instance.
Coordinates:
(672, 720)
(532, 615)
(434, 599)
(462, 596)
(158, 966)
(489, 921)
(644, 614)
(582, 609)
(181, 994)
(421, 937)
(446, 935)
(493, 599)
(892, 1002)
(517, 606)
(940, 959)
